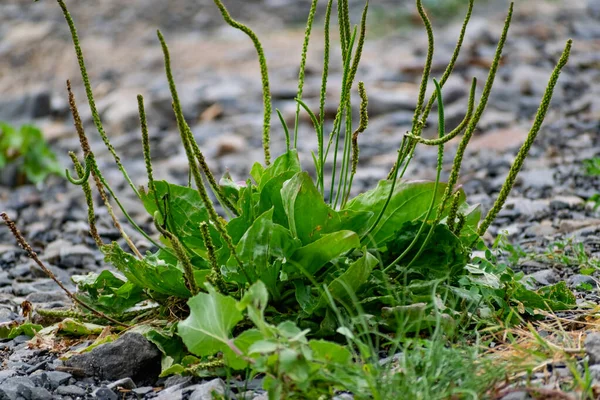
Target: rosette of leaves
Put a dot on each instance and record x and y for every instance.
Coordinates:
(293, 257)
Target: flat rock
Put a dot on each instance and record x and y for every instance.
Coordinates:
(129, 356)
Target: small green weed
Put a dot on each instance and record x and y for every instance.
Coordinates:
(26, 148)
(298, 280)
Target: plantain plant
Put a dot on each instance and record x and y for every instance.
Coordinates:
(273, 284)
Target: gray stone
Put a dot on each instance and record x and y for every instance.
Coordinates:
(71, 390)
(592, 347)
(7, 373)
(17, 388)
(31, 105)
(593, 7)
(57, 378)
(206, 390)
(40, 393)
(129, 356)
(594, 371)
(544, 277)
(577, 280)
(67, 255)
(537, 178)
(104, 393)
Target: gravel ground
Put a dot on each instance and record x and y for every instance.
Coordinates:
(219, 85)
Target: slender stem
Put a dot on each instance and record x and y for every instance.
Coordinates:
(462, 147)
(338, 118)
(146, 150)
(285, 129)
(393, 176)
(524, 150)
(323, 97)
(23, 243)
(264, 76)
(87, 191)
(440, 162)
(309, 24)
(181, 255)
(90, 95)
(195, 171)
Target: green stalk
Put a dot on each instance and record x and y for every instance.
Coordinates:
(454, 173)
(285, 129)
(87, 191)
(440, 162)
(217, 190)
(90, 95)
(524, 150)
(362, 126)
(180, 253)
(338, 118)
(393, 176)
(99, 179)
(323, 96)
(456, 131)
(216, 278)
(146, 148)
(195, 171)
(309, 24)
(264, 76)
(411, 144)
(342, 187)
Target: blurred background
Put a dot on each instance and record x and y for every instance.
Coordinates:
(217, 72)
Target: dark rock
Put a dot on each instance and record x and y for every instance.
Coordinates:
(129, 356)
(56, 378)
(28, 106)
(104, 393)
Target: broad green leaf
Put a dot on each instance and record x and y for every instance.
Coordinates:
(287, 163)
(207, 329)
(558, 293)
(443, 256)
(309, 218)
(260, 246)
(243, 343)
(11, 331)
(351, 280)
(230, 188)
(72, 327)
(159, 272)
(330, 353)
(312, 257)
(256, 172)
(167, 342)
(108, 292)
(239, 225)
(255, 301)
(185, 211)
(264, 347)
(270, 197)
(410, 202)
